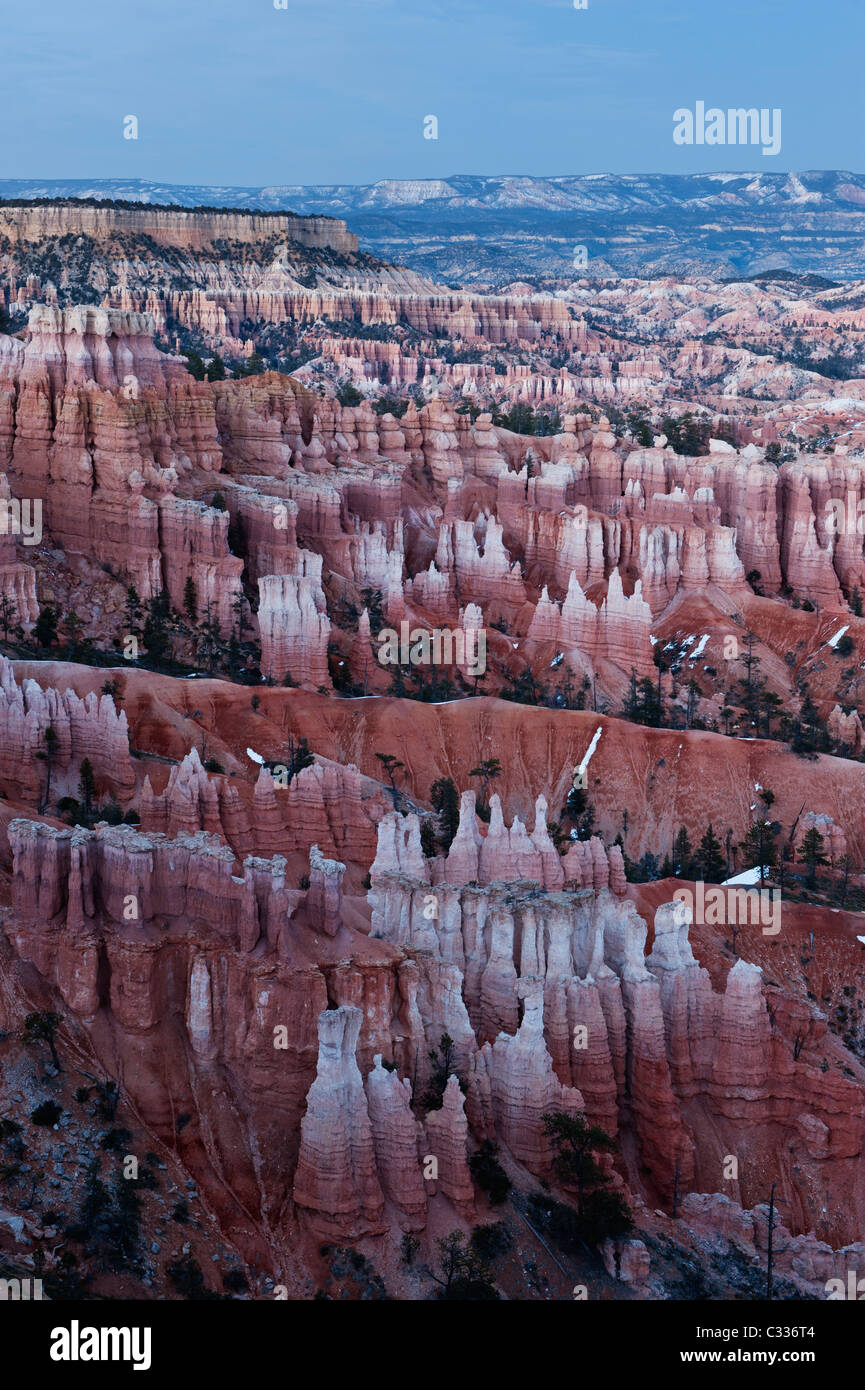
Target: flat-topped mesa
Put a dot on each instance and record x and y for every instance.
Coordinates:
(36, 766)
(170, 226)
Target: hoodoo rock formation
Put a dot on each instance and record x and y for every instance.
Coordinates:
(359, 720)
(336, 1178)
(128, 926)
(31, 761)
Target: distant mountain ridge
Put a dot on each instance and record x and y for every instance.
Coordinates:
(610, 193)
(484, 231)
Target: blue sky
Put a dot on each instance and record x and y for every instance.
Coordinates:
(330, 91)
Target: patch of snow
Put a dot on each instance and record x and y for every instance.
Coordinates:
(699, 649)
(653, 640)
(686, 641)
(838, 635)
(557, 659)
(256, 757)
(590, 750)
(749, 877)
(862, 939)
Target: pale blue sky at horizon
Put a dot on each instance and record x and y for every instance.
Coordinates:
(336, 91)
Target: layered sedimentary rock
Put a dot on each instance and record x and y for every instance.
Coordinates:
(39, 766)
(336, 1177)
(193, 800)
(100, 426)
(618, 630)
(303, 1029)
(496, 852)
(116, 879)
(569, 1012)
(18, 603)
(395, 1139)
(173, 226)
(327, 804)
(549, 996)
(295, 628)
(193, 540)
(447, 1135)
(324, 898)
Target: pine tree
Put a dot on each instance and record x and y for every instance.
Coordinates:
(216, 368)
(428, 839)
(47, 756)
(45, 629)
(7, 615)
(87, 786)
(299, 756)
(42, 1027)
(133, 609)
(573, 1139)
(811, 853)
(682, 854)
(157, 634)
(445, 798)
(758, 847)
(751, 663)
(580, 812)
(194, 364)
(710, 858)
(190, 599)
(631, 707)
(489, 769)
(652, 708)
(391, 767)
